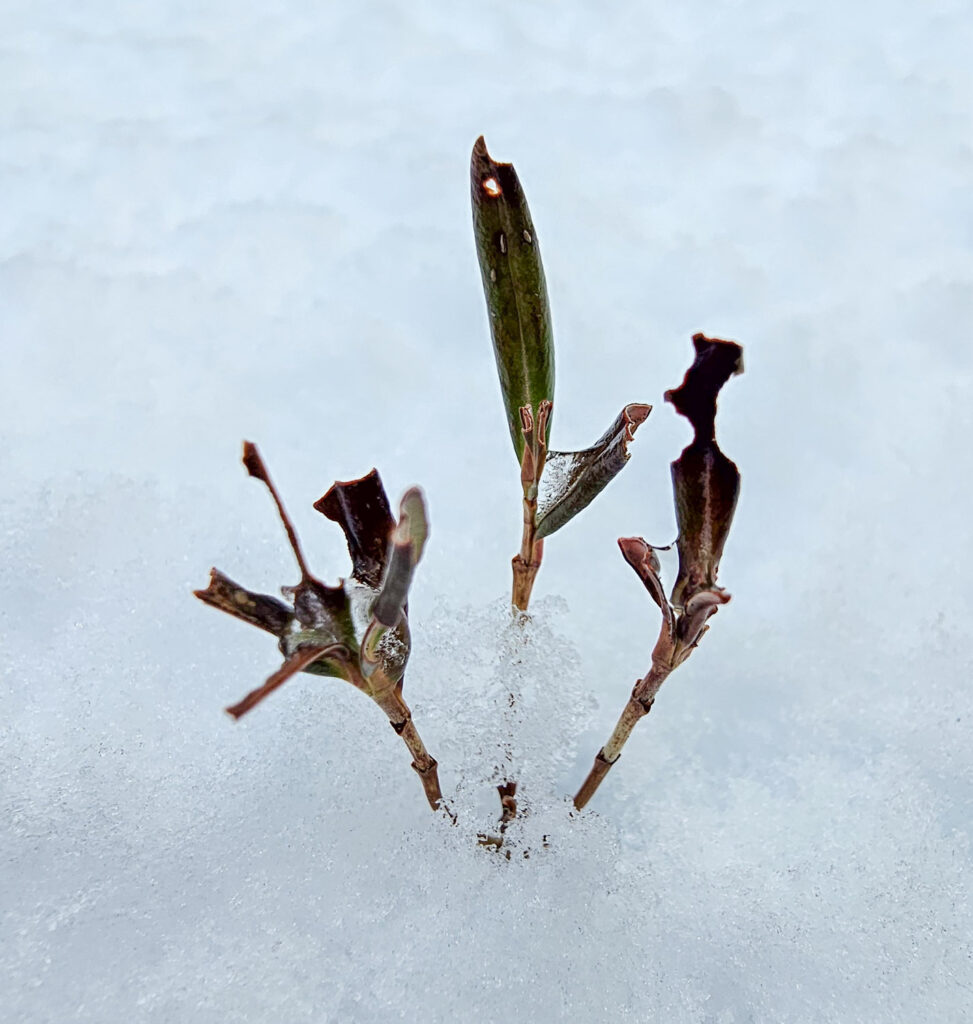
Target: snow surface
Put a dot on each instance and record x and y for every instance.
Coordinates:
(226, 221)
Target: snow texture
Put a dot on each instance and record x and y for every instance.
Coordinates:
(227, 221)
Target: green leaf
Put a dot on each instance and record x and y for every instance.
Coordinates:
(571, 480)
(514, 287)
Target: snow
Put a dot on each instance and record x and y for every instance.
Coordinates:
(227, 222)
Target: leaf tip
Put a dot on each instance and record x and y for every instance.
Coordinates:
(413, 526)
(635, 414)
(487, 176)
(253, 462)
(633, 548)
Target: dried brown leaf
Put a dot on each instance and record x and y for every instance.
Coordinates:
(361, 509)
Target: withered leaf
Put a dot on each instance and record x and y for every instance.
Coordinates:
(705, 482)
(361, 509)
(259, 610)
(716, 361)
(706, 485)
(571, 480)
(642, 558)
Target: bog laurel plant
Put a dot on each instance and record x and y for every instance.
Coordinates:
(705, 485)
(358, 630)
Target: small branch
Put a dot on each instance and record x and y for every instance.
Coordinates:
(257, 469)
(423, 763)
(705, 487)
(294, 664)
(599, 770)
(525, 566)
(638, 706)
(528, 561)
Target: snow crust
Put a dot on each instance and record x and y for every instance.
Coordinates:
(226, 222)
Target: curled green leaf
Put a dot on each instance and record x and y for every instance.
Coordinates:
(571, 480)
(408, 542)
(514, 287)
(380, 645)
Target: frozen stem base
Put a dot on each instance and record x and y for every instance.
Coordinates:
(525, 572)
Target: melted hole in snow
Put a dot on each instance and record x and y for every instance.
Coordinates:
(491, 186)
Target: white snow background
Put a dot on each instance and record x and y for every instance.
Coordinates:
(225, 221)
